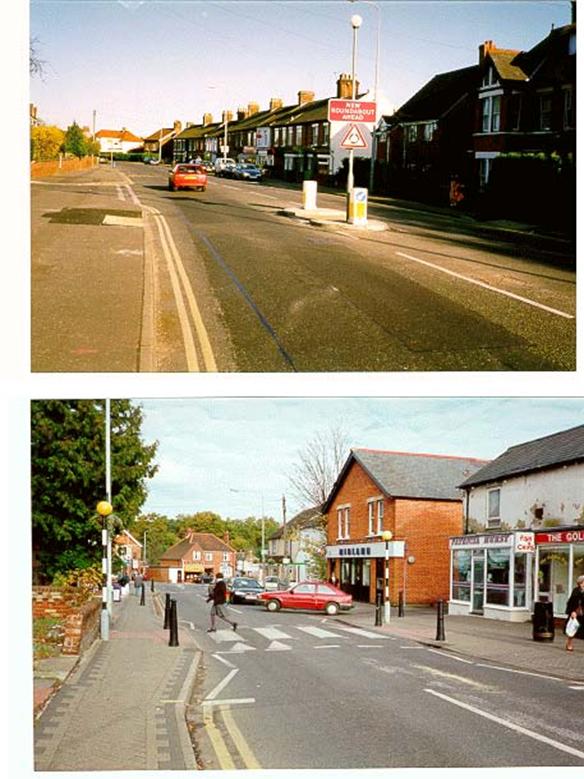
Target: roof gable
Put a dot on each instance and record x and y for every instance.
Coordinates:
(557, 449)
(308, 518)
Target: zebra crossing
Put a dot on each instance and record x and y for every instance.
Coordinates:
(248, 638)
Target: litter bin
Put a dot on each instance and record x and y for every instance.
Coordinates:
(543, 621)
(117, 593)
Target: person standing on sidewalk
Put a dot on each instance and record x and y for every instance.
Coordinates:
(219, 598)
(575, 609)
(138, 582)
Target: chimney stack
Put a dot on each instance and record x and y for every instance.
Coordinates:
(207, 119)
(275, 103)
(304, 96)
(484, 49)
(177, 126)
(253, 108)
(226, 536)
(345, 87)
(227, 116)
(241, 113)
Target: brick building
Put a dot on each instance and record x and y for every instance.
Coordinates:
(416, 497)
(194, 555)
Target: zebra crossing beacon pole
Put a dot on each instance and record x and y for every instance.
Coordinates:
(104, 509)
(387, 535)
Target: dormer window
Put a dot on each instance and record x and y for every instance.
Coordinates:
(489, 78)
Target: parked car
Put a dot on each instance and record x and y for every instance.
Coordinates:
(319, 596)
(209, 167)
(224, 167)
(245, 590)
(248, 172)
(207, 578)
(274, 583)
(185, 175)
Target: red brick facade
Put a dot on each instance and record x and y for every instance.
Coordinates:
(424, 525)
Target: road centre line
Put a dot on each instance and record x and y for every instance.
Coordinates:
(327, 646)
(222, 684)
(487, 286)
(244, 749)
(451, 657)
(510, 725)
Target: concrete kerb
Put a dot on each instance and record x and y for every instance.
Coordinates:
(331, 219)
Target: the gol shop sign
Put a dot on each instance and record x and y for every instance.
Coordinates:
(351, 111)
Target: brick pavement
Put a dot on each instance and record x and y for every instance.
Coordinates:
(123, 705)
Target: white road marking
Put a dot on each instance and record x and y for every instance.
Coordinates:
(277, 646)
(122, 221)
(369, 646)
(327, 646)
(453, 677)
(412, 647)
(187, 622)
(487, 286)
(221, 636)
(575, 687)
(364, 633)
(239, 648)
(271, 633)
(133, 196)
(319, 632)
(228, 702)
(451, 657)
(517, 671)
(510, 725)
(222, 684)
(224, 661)
(119, 192)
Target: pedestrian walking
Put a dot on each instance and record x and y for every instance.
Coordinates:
(455, 194)
(575, 610)
(217, 598)
(138, 582)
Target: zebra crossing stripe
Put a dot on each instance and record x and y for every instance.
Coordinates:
(319, 632)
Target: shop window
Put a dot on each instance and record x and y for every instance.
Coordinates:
(520, 580)
(461, 560)
(498, 565)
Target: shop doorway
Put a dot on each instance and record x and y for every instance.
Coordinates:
(478, 582)
(356, 578)
(553, 576)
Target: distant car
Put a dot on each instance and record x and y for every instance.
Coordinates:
(245, 590)
(248, 172)
(185, 175)
(274, 583)
(318, 596)
(224, 166)
(209, 167)
(207, 578)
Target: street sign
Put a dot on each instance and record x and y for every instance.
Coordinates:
(224, 149)
(353, 138)
(351, 111)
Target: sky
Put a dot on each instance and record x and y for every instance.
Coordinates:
(234, 455)
(142, 64)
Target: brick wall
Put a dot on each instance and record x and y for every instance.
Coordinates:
(425, 526)
(81, 623)
(39, 170)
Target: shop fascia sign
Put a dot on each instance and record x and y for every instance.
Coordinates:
(521, 542)
(374, 549)
(561, 537)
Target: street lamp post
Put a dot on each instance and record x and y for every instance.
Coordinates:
(356, 22)
(387, 535)
(104, 509)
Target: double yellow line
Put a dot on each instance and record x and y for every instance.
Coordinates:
(218, 742)
(190, 319)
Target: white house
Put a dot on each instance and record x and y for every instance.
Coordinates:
(297, 542)
(121, 141)
(524, 521)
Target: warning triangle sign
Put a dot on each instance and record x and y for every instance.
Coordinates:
(353, 138)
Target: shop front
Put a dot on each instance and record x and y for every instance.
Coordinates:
(559, 560)
(491, 575)
(359, 568)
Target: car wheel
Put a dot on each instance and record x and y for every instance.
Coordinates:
(331, 609)
(171, 187)
(273, 605)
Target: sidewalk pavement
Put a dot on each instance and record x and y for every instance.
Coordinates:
(494, 641)
(122, 705)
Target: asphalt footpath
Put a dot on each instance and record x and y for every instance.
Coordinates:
(121, 706)
(494, 641)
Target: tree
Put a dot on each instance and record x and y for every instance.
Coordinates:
(75, 141)
(68, 477)
(319, 464)
(158, 533)
(45, 143)
(35, 64)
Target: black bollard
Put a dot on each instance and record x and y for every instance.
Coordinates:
(400, 604)
(440, 621)
(378, 609)
(167, 611)
(173, 641)
(151, 585)
(143, 596)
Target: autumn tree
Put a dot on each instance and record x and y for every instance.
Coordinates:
(68, 477)
(45, 143)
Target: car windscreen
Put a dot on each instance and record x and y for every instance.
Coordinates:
(190, 169)
(246, 583)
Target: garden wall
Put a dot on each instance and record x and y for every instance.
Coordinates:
(80, 623)
(39, 170)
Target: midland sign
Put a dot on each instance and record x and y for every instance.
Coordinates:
(351, 111)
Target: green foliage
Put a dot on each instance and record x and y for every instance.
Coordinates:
(75, 142)
(81, 584)
(68, 477)
(159, 535)
(46, 143)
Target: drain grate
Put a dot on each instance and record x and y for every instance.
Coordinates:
(93, 216)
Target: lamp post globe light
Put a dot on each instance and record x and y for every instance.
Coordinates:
(104, 509)
(386, 536)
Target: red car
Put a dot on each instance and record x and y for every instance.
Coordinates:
(186, 175)
(320, 596)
